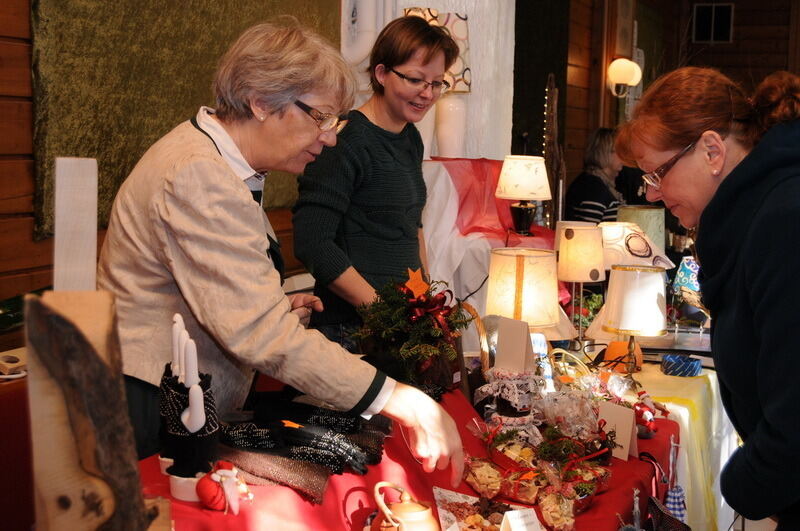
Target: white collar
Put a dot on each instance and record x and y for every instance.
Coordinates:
(228, 149)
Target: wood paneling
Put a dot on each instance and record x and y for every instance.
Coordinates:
(578, 76)
(15, 68)
(16, 127)
(19, 251)
(16, 186)
(15, 18)
(16, 283)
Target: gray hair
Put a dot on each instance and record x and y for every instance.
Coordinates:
(274, 63)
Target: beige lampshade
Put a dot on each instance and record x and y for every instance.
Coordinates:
(561, 225)
(649, 218)
(636, 304)
(580, 256)
(563, 329)
(523, 285)
(625, 243)
(523, 177)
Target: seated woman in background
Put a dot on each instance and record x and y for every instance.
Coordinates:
(592, 196)
(187, 237)
(358, 219)
(729, 166)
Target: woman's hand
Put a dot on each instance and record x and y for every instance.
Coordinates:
(303, 304)
(434, 437)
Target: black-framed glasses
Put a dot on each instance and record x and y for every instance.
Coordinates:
(438, 87)
(653, 178)
(325, 120)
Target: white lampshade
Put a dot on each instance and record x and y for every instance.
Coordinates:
(580, 256)
(624, 72)
(561, 225)
(636, 304)
(625, 243)
(523, 285)
(523, 177)
(650, 219)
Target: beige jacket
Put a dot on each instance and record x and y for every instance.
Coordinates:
(185, 236)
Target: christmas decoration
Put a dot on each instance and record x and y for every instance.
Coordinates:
(409, 332)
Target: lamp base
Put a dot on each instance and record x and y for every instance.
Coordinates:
(619, 350)
(522, 215)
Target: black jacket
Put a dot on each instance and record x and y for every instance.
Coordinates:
(749, 251)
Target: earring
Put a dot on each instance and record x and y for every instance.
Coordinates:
(261, 118)
(715, 172)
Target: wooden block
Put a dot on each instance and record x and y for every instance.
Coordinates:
(75, 258)
(13, 361)
(84, 462)
(163, 520)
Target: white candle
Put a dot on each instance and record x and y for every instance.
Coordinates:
(177, 328)
(191, 376)
(184, 338)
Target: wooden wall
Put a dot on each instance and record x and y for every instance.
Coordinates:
(761, 41)
(24, 264)
(583, 64)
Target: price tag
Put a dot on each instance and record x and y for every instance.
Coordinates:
(521, 520)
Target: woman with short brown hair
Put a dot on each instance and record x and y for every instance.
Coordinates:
(358, 220)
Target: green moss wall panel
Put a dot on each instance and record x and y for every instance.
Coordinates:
(110, 78)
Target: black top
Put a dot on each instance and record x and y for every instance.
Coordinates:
(749, 251)
(360, 205)
(589, 199)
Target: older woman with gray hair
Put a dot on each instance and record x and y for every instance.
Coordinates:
(186, 236)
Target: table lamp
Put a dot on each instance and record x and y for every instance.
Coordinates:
(562, 225)
(523, 178)
(523, 287)
(635, 306)
(580, 259)
(625, 243)
(649, 218)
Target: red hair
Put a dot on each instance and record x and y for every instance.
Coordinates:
(681, 105)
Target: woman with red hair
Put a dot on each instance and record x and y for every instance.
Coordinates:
(729, 167)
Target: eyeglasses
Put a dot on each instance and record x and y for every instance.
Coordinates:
(653, 179)
(438, 87)
(325, 120)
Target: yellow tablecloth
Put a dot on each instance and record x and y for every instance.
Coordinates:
(707, 440)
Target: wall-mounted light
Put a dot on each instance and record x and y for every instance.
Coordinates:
(621, 75)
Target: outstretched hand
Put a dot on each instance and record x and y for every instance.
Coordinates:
(434, 438)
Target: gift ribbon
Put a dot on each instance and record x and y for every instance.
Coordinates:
(435, 306)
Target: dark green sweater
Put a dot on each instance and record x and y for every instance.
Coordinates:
(360, 205)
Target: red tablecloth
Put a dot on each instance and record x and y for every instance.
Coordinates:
(348, 498)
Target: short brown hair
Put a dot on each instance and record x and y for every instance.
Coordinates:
(274, 63)
(681, 105)
(401, 38)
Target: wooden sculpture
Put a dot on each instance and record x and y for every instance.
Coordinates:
(84, 461)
